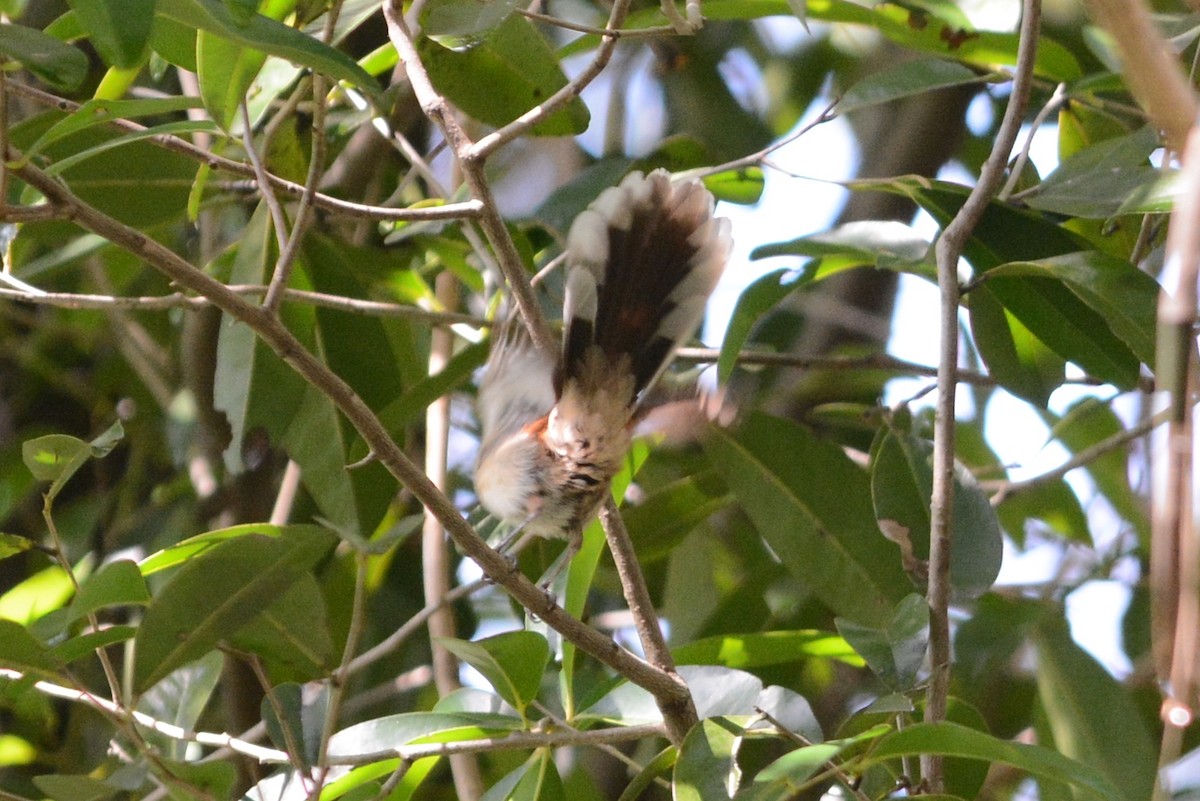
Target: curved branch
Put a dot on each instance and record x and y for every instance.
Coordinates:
(666, 688)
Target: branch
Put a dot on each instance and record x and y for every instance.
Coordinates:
(948, 250)
(178, 300)
(439, 112)
(448, 211)
(666, 689)
(167, 729)
(681, 715)
(1006, 489)
(555, 738)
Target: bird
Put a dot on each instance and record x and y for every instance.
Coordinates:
(641, 262)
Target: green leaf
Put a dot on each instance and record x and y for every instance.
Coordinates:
(303, 711)
(894, 653)
(512, 70)
(1097, 181)
(905, 80)
(226, 71)
(13, 544)
(911, 27)
(1052, 503)
(748, 651)
(536, 780)
(216, 594)
(1058, 317)
(117, 583)
(253, 387)
(20, 650)
(44, 592)
(462, 24)
(382, 735)
(1085, 705)
(811, 504)
(1018, 360)
(56, 457)
(952, 739)
(184, 550)
(790, 774)
(666, 516)
(884, 244)
(513, 662)
(119, 29)
(743, 186)
(87, 644)
(756, 300)
(271, 37)
(707, 768)
(58, 64)
(292, 634)
(99, 112)
(180, 699)
(74, 788)
(902, 492)
(1124, 296)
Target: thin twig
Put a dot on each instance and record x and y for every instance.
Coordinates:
(948, 250)
(450, 211)
(178, 300)
(1006, 489)
(240, 746)
(265, 190)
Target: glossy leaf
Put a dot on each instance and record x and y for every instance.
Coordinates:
(270, 37)
(74, 788)
(756, 300)
(911, 27)
(1053, 504)
(292, 634)
(766, 648)
(665, 517)
(513, 663)
(1017, 359)
(1096, 182)
(56, 457)
(206, 601)
(789, 775)
(902, 492)
(885, 244)
(952, 739)
(45, 591)
(295, 719)
(20, 650)
(905, 80)
(707, 768)
(12, 544)
(100, 112)
(744, 186)
(87, 644)
(462, 24)
(117, 583)
(1124, 296)
(58, 64)
(382, 735)
(808, 501)
(512, 70)
(1085, 705)
(187, 549)
(895, 653)
(180, 699)
(119, 29)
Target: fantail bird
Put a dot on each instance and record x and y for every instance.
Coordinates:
(642, 260)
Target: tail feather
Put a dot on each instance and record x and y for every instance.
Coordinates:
(645, 257)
